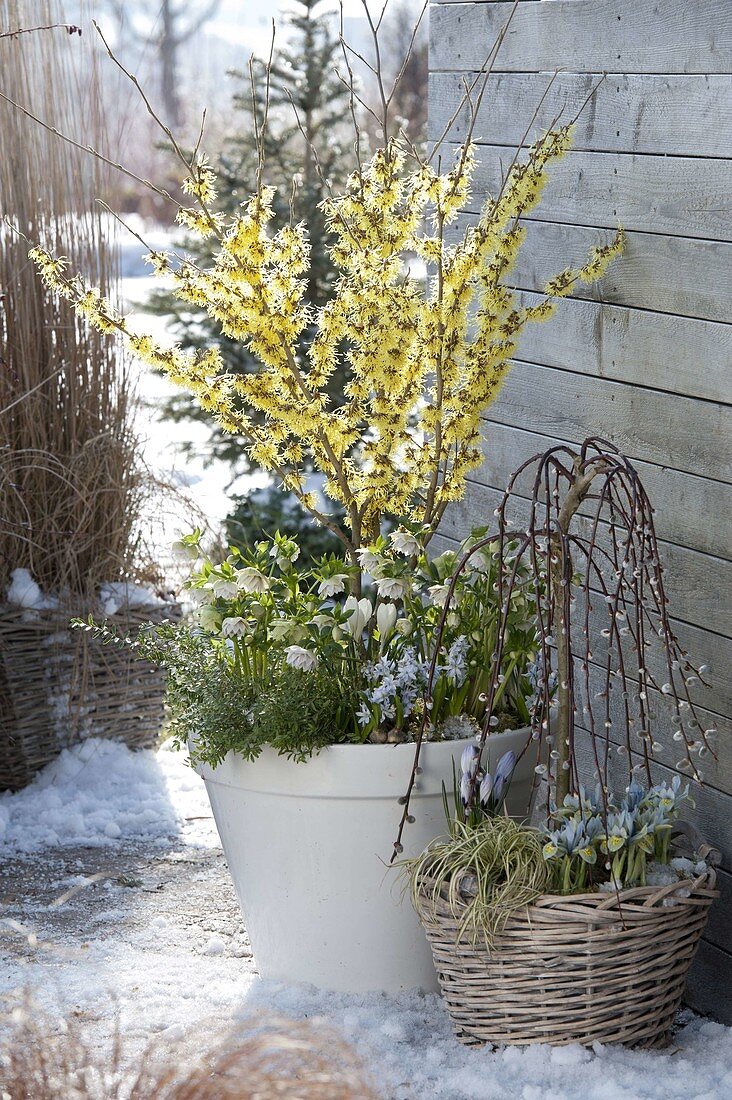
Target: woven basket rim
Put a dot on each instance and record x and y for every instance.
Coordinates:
(608, 900)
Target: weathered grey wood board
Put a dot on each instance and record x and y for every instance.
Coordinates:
(629, 113)
(666, 429)
(669, 36)
(660, 350)
(710, 981)
(686, 196)
(659, 272)
(674, 495)
(643, 358)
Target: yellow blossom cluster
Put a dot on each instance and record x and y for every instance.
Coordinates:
(422, 362)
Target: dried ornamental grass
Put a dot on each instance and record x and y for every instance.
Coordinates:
(70, 487)
(275, 1059)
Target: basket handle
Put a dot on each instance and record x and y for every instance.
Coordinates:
(695, 843)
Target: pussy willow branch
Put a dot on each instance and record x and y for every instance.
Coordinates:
(630, 587)
(70, 28)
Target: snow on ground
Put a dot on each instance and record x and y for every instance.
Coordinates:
(99, 792)
(140, 923)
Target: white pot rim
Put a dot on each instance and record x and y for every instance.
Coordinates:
(355, 770)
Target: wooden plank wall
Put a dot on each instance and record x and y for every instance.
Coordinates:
(644, 357)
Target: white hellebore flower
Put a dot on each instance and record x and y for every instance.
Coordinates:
(362, 612)
(393, 588)
(284, 556)
(439, 593)
(370, 561)
(405, 543)
(279, 629)
(209, 617)
(184, 551)
(301, 658)
(331, 586)
(233, 627)
(386, 617)
(252, 580)
(224, 588)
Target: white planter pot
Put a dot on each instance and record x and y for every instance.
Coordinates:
(308, 847)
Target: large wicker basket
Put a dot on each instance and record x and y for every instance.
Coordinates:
(59, 686)
(581, 969)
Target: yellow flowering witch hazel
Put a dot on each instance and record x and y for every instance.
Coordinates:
(422, 363)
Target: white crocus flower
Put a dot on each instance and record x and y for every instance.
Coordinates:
(386, 616)
(224, 588)
(393, 588)
(361, 614)
(301, 658)
(252, 580)
(405, 543)
(233, 627)
(331, 586)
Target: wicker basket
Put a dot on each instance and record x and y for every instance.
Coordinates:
(59, 686)
(581, 969)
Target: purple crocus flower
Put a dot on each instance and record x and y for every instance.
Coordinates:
(486, 786)
(504, 771)
(469, 759)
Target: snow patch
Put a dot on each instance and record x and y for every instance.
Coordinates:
(99, 792)
(115, 595)
(24, 592)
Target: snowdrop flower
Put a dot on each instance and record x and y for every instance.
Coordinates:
(393, 588)
(386, 616)
(331, 586)
(252, 580)
(224, 588)
(361, 612)
(301, 658)
(405, 543)
(233, 627)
